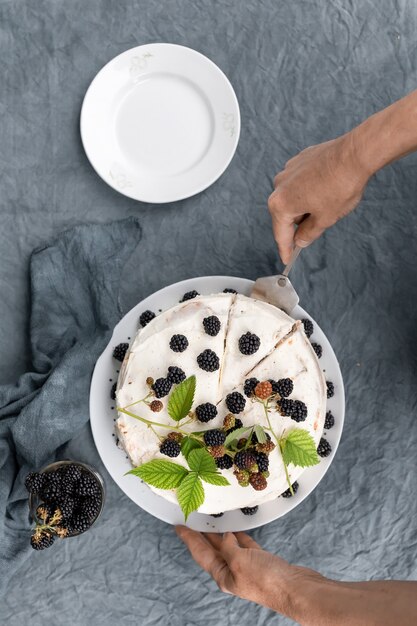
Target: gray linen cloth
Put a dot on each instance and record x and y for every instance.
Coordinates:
(74, 291)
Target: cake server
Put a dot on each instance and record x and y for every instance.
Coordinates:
(278, 290)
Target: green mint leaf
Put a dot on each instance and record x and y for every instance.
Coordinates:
(190, 493)
(215, 478)
(260, 433)
(181, 399)
(298, 448)
(201, 462)
(237, 434)
(188, 444)
(161, 474)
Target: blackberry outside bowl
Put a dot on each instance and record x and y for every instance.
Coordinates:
(35, 501)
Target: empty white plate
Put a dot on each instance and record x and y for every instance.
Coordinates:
(160, 122)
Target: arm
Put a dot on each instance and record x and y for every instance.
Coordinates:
(240, 567)
(324, 183)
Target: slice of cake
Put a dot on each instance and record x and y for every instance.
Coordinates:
(253, 368)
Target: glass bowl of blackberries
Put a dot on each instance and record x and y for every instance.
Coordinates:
(65, 499)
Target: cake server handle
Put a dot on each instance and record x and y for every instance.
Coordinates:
(294, 256)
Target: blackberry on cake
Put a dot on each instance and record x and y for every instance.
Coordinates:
(249, 343)
(224, 462)
(330, 389)
(308, 327)
(263, 390)
(258, 481)
(216, 451)
(156, 406)
(206, 412)
(208, 361)
(161, 387)
(178, 343)
(249, 386)
(216, 514)
(324, 448)
(235, 402)
(238, 424)
(329, 421)
(214, 437)
(295, 409)
(244, 460)
(113, 391)
(228, 290)
(287, 493)
(262, 461)
(189, 295)
(212, 325)
(250, 510)
(175, 375)
(284, 387)
(317, 349)
(146, 317)
(120, 350)
(170, 448)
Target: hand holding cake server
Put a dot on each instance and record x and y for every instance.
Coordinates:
(318, 187)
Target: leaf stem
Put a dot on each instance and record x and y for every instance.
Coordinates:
(280, 448)
(152, 423)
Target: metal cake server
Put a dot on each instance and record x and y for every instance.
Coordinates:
(278, 290)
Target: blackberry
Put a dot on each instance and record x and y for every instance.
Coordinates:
(242, 477)
(329, 421)
(216, 451)
(284, 387)
(67, 486)
(330, 389)
(90, 506)
(88, 486)
(249, 386)
(80, 523)
(189, 295)
(156, 406)
(263, 390)
(262, 462)
(113, 391)
(161, 387)
(67, 506)
(175, 436)
(250, 510)
(120, 351)
(295, 409)
(208, 361)
(212, 325)
(175, 375)
(214, 437)
(308, 327)
(258, 482)
(238, 424)
(41, 539)
(217, 514)
(317, 349)
(34, 482)
(224, 462)
(287, 493)
(324, 448)
(50, 492)
(73, 472)
(178, 343)
(170, 448)
(146, 317)
(229, 290)
(244, 459)
(206, 412)
(235, 402)
(249, 343)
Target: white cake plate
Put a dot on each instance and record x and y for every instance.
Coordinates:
(160, 122)
(103, 415)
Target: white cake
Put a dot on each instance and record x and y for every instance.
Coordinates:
(284, 352)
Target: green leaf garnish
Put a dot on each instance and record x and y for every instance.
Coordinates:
(190, 493)
(181, 399)
(201, 462)
(188, 444)
(237, 434)
(298, 447)
(260, 433)
(215, 478)
(160, 473)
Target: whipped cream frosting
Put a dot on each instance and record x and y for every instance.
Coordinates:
(284, 352)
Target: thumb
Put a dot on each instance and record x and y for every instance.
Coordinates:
(308, 231)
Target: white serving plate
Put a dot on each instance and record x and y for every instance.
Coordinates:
(103, 414)
(160, 122)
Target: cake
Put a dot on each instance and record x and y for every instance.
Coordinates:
(229, 342)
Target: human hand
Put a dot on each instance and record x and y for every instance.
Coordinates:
(240, 567)
(317, 187)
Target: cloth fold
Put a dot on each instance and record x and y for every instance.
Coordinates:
(74, 308)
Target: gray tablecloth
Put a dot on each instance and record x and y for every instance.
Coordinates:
(304, 71)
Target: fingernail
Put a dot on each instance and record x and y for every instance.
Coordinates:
(302, 243)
